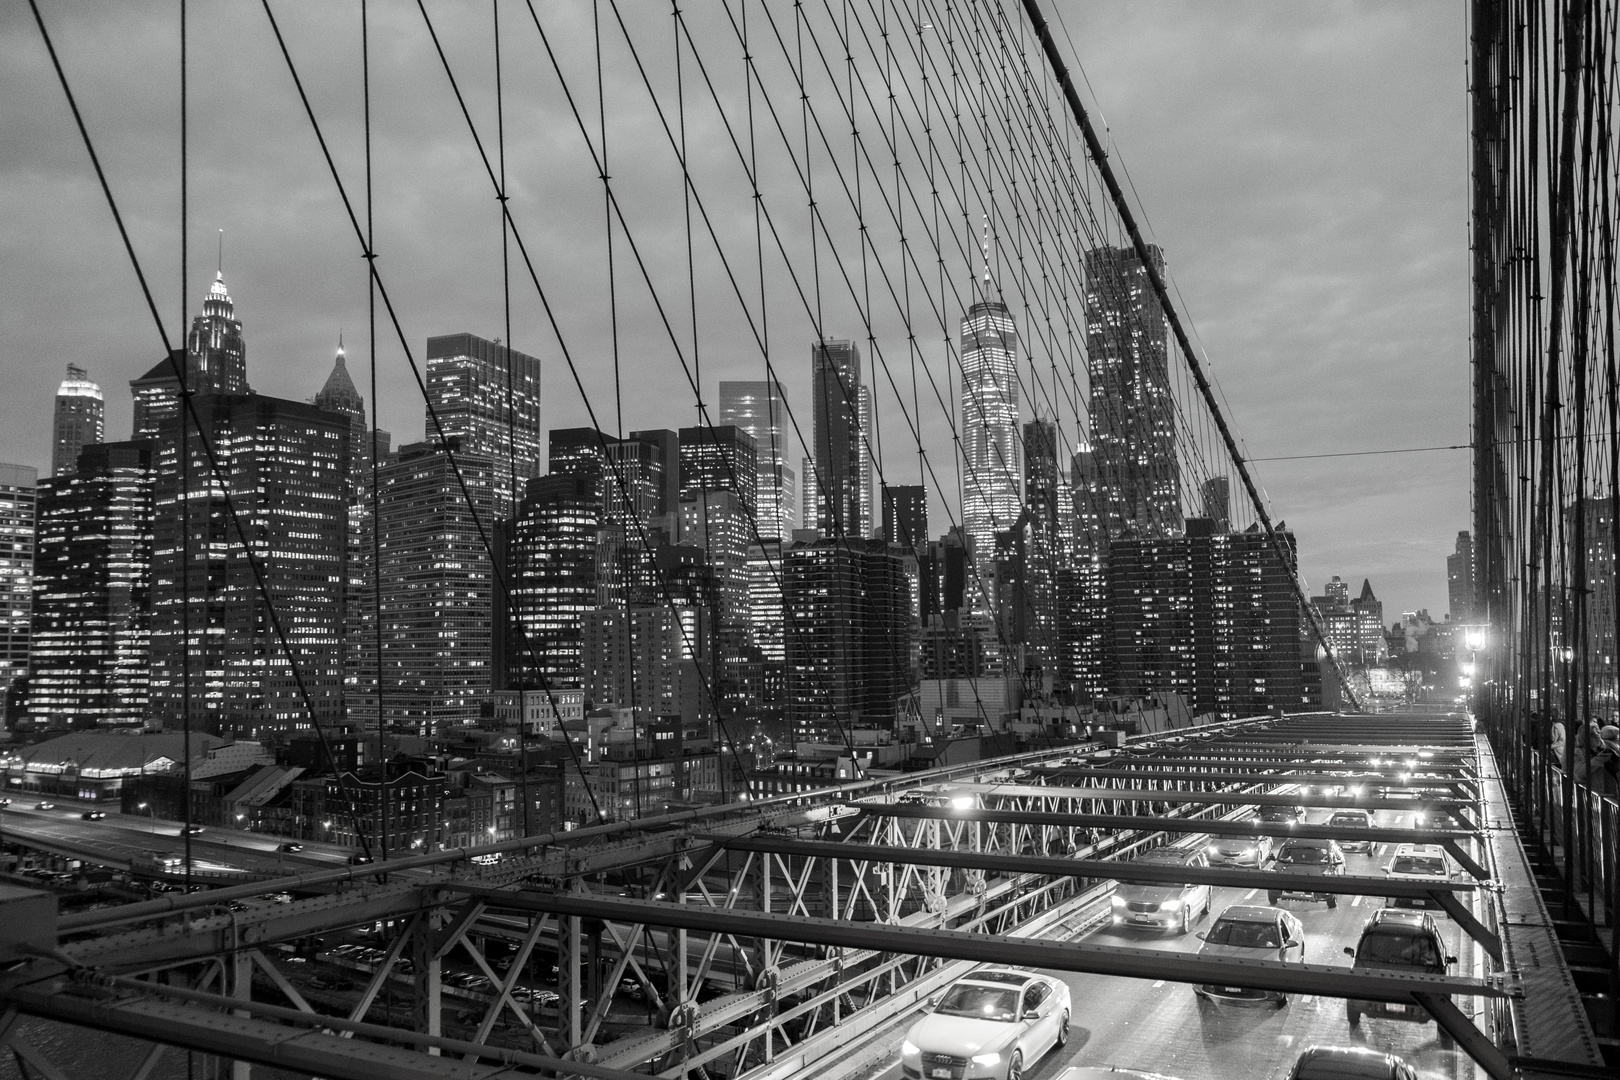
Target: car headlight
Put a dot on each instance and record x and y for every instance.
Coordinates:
(987, 1059)
(1118, 901)
(1214, 849)
(1170, 905)
(909, 1049)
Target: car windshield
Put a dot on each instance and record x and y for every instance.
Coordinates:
(1420, 864)
(1303, 854)
(1414, 950)
(979, 1002)
(1249, 935)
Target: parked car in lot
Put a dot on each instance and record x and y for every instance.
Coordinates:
(991, 1024)
(1300, 860)
(1394, 940)
(1349, 1063)
(1163, 907)
(1252, 932)
(1252, 851)
(1426, 863)
(1353, 819)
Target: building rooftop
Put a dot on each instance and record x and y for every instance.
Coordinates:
(95, 751)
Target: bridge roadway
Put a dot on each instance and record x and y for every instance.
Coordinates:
(796, 937)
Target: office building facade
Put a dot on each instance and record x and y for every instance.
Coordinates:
(436, 579)
(760, 409)
(215, 646)
(487, 396)
(838, 452)
(847, 613)
(89, 653)
(550, 555)
(1133, 414)
(17, 502)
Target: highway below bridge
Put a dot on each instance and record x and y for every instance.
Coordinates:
(805, 936)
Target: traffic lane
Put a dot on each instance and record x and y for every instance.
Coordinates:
(1166, 1028)
(126, 836)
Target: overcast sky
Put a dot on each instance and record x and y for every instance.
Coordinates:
(1302, 166)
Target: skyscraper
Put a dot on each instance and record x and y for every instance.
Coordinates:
(992, 464)
(722, 458)
(286, 467)
(437, 585)
(550, 566)
(847, 609)
(1133, 424)
(759, 408)
(905, 516)
(1460, 578)
(835, 380)
(1211, 616)
(17, 495)
(216, 363)
(89, 657)
(488, 396)
(80, 420)
(339, 395)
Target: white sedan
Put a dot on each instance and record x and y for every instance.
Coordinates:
(992, 1024)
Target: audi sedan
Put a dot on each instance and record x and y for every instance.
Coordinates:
(992, 1024)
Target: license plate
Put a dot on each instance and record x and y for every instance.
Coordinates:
(942, 1074)
(1141, 918)
(1232, 989)
(1400, 1008)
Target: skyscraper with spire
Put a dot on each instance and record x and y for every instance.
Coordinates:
(992, 462)
(216, 363)
(80, 420)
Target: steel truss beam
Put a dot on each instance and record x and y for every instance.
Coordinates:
(289, 1039)
(1319, 979)
(1212, 798)
(1224, 771)
(1442, 893)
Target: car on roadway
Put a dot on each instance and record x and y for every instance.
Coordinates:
(1107, 1072)
(1413, 799)
(93, 815)
(1349, 1063)
(1282, 815)
(194, 830)
(1163, 907)
(991, 1024)
(44, 806)
(1353, 819)
(1302, 859)
(289, 847)
(1399, 940)
(1253, 851)
(5, 802)
(1251, 932)
(1425, 863)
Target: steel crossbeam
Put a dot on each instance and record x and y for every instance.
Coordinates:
(1120, 870)
(1212, 798)
(1319, 979)
(1224, 773)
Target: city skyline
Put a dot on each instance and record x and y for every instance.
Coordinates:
(1354, 512)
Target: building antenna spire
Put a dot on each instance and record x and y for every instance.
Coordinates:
(985, 247)
(219, 268)
(340, 341)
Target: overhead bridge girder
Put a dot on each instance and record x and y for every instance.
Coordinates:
(1319, 979)
(1210, 798)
